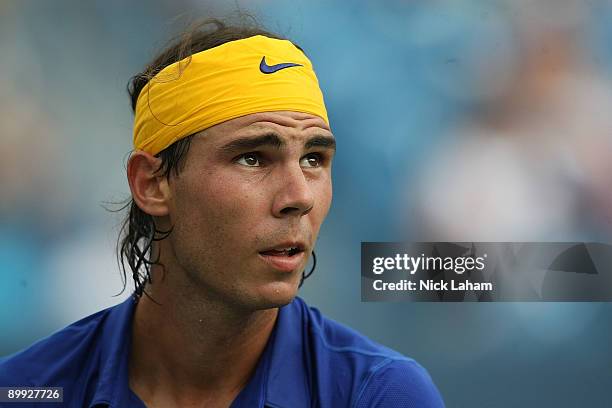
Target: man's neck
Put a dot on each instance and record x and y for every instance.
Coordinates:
(194, 352)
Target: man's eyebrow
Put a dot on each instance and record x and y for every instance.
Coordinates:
(321, 141)
(274, 140)
(249, 143)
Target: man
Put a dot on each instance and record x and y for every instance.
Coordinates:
(230, 180)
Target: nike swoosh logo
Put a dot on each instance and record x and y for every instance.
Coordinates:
(270, 69)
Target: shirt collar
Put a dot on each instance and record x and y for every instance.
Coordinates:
(281, 379)
(116, 336)
(289, 383)
(282, 374)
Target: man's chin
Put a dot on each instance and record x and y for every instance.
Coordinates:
(276, 295)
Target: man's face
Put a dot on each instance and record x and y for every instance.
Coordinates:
(251, 188)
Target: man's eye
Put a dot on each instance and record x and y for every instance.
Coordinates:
(311, 160)
(249, 159)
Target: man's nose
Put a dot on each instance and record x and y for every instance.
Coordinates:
(294, 195)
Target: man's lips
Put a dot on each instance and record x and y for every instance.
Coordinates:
(286, 246)
(285, 257)
(283, 262)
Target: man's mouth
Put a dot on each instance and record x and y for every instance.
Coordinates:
(290, 251)
(284, 257)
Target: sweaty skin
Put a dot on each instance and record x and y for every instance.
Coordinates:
(219, 296)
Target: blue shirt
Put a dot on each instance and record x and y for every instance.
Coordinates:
(309, 361)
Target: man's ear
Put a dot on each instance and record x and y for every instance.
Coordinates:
(149, 190)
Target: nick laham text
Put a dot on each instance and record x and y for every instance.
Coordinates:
(430, 284)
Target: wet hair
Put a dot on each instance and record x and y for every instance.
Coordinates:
(138, 231)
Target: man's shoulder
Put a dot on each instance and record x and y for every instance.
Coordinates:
(376, 375)
(338, 339)
(399, 384)
(54, 358)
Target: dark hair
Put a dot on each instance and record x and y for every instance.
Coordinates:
(138, 230)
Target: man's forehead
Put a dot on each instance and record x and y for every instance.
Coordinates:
(286, 125)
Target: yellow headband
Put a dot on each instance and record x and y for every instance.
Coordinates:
(255, 74)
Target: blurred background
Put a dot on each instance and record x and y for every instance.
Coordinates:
(455, 120)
